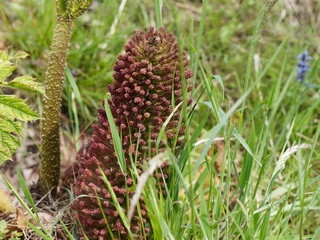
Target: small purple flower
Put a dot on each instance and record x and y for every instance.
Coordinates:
(74, 73)
(303, 66)
(94, 5)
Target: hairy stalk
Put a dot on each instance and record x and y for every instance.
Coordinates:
(50, 125)
(67, 12)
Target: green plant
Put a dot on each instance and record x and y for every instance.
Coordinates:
(4, 232)
(67, 13)
(26, 201)
(3, 229)
(13, 110)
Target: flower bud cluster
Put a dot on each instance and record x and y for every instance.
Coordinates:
(146, 89)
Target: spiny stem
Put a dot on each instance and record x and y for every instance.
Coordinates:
(67, 13)
(50, 124)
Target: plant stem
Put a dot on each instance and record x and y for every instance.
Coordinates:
(50, 124)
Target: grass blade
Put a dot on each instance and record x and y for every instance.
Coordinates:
(26, 192)
(116, 203)
(66, 229)
(115, 137)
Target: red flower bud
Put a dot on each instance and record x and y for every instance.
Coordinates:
(141, 102)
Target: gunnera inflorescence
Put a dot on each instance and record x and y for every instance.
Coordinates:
(147, 79)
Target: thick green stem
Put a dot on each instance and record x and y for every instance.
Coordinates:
(50, 124)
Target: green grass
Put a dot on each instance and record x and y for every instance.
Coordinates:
(258, 108)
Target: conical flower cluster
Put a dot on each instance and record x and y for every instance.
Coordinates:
(147, 81)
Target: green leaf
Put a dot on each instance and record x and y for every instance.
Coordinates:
(3, 227)
(20, 54)
(10, 126)
(26, 83)
(6, 69)
(4, 55)
(13, 107)
(9, 130)
(9, 141)
(4, 154)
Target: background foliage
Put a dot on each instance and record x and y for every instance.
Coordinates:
(260, 177)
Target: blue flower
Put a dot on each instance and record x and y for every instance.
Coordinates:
(303, 66)
(74, 73)
(94, 5)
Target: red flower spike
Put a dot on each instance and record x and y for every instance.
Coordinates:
(141, 102)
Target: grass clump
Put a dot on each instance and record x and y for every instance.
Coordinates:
(249, 165)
